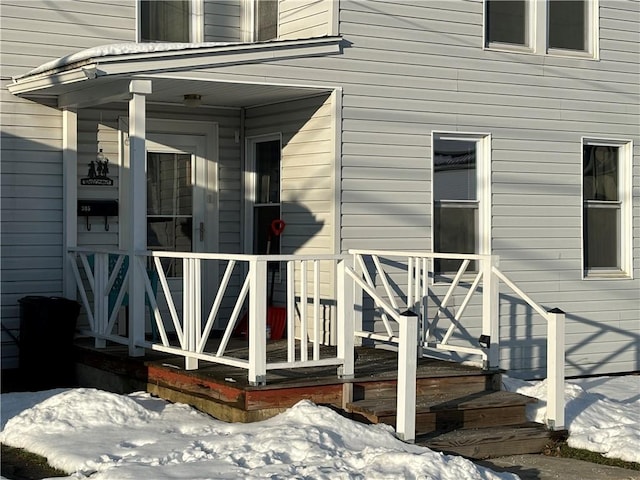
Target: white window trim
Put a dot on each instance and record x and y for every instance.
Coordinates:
(483, 178)
(625, 186)
(249, 180)
(538, 11)
(197, 21)
(247, 15)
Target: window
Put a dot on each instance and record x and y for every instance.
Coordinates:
(266, 20)
(606, 211)
(170, 205)
(266, 206)
(568, 22)
(552, 26)
(507, 22)
(165, 20)
(460, 197)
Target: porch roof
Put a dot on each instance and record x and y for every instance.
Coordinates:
(102, 74)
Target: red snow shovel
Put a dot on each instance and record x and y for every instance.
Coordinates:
(276, 316)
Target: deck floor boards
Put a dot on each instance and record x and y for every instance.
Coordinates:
(370, 364)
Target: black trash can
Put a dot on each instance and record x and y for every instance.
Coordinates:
(47, 329)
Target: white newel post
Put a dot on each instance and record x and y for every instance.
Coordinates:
(137, 205)
(70, 195)
(407, 367)
(555, 369)
(257, 322)
(490, 310)
(345, 308)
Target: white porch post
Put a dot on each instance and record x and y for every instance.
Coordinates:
(257, 322)
(137, 205)
(490, 310)
(70, 197)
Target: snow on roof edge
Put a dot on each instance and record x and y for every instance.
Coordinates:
(115, 49)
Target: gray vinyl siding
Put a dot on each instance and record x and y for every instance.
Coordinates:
(304, 19)
(420, 67)
(222, 21)
(34, 33)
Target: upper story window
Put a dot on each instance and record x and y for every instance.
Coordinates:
(606, 220)
(507, 22)
(560, 27)
(265, 20)
(169, 20)
(461, 196)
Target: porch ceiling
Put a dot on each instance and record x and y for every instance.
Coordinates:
(171, 90)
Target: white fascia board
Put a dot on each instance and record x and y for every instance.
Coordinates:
(199, 60)
(44, 81)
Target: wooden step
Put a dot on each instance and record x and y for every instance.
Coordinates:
(489, 442)
(426, 386)
(443, 412)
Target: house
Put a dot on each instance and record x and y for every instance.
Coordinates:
(459, 126)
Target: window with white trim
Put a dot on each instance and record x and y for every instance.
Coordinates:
(264, 194)
(170, 20)
(559, 27)
(461, 196)
(606, 219)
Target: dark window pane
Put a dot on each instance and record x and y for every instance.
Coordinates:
(265, 241)
(507, 22)
(268, 170)
(169, 189)
(600, 173)
(602, 241)
(455, 232)
(164, 21)
(568, 24)
(266, 19)
(454, 170)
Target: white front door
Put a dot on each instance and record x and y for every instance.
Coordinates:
(178, 191)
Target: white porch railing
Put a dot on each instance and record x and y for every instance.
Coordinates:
(410, 299)
(401, 285)
(186, 331)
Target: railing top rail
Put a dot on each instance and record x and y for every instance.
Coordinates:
(211, 256)
(392, 253)
(96, 250)
(240, 256)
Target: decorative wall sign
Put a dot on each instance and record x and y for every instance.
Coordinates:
(98, 172)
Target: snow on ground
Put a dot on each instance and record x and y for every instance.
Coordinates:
(88, 432)
(602, 413)
(91, 433)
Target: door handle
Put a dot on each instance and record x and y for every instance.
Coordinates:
(201, 231)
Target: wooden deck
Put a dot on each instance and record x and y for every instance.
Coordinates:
(232, 398)
(451, 398)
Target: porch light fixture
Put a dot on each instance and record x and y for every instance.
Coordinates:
(484, 341)
(192, 100)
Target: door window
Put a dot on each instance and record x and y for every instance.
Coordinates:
(170, 205)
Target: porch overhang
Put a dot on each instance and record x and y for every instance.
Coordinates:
(101, 75)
